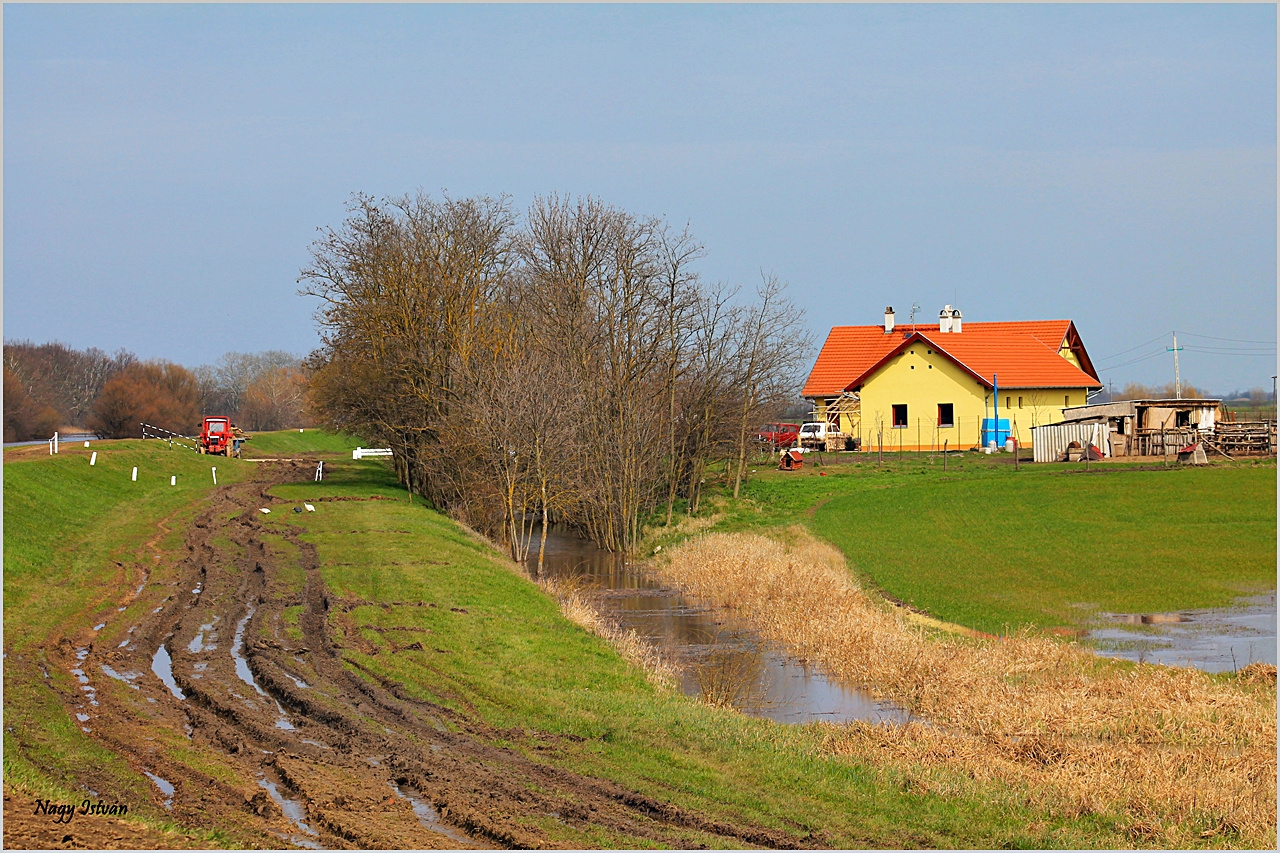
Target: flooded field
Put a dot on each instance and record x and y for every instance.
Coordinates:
(1212, 640)
(720, 664)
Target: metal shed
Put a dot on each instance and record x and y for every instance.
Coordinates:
(1049, 442)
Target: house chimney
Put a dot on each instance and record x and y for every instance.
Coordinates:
(955, 321)
(944, 319)
(888, 320)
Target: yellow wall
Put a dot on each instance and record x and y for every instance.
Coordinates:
(921, 379)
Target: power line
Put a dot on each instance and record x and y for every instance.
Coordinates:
(1230, 340)
(1136, 360)
(1131, 349)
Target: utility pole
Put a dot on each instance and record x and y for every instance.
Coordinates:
(1177, 376)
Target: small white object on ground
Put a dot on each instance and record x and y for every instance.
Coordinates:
(214, 469)
(86, 444)
(135, 473)
(264, 510)
(309, 507)
(93, 459)
(173, 481)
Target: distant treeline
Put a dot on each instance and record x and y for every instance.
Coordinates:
(569, 365)
(51, 386)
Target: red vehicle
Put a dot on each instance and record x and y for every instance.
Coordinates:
(779, 435)
(216, 437)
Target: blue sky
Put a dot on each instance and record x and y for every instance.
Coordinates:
(167, 167)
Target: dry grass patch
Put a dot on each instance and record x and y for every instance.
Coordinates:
(630, 645)
(1184, 755)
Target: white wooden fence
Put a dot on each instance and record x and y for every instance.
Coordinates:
(361, 452)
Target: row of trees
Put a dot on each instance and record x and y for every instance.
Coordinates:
(51, 386)
(571, 366)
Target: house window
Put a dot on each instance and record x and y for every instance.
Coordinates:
(1019, 401)
(1008, 402)
(899, 415)
(1182, 419)
(946, 414)
(1066, 399)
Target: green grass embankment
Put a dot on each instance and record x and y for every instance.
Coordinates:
(496, 648)
(994, 548)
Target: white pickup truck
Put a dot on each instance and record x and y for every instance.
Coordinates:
(818, 435)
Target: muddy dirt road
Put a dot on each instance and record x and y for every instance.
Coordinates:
(293, 745)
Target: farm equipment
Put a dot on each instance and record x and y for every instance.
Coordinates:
(220, 437)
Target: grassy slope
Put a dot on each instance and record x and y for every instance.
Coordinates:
(309, 441)
(514, 661)
(990, 547)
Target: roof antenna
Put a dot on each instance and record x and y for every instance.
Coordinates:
(914, 308)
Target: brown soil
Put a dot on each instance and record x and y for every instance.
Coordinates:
(349, 737)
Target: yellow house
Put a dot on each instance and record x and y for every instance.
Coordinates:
(957, 385)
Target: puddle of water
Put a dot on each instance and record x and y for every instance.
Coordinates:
(197, 644)
(99, 626)
(298, 681)
(427, 814)
(1212, 640)
(246, 675)
(165, 786)
(126, 677)
(162, 666)
(292, 809)
(84, 718)
(726, 667)
(317, 743)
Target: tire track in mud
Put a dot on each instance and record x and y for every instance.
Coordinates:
(341, 757)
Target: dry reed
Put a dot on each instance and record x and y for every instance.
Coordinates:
(1184, 757)
(576, 607)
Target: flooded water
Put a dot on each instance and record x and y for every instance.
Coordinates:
(162, 666)
(295, 811)
(246, 675)
(165, 786)
(427, 814)
(1213, 640)
(722, 665)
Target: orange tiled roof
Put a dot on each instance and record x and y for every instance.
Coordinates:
(1021, 354)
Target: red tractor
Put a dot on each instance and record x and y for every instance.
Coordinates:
(216, 437)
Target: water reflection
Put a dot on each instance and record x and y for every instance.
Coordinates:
(1213, 640)
(725, 667)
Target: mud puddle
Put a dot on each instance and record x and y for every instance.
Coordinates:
(165, 786)
(1222, 640)
(162, 666)
(427, 814)
(246, 675)
(294, 811)
(723, 666)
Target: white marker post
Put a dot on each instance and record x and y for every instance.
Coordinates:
(135, 473)
(214, 469)
(86, 444)
(173, 481)
(55, 442)
(93, 460)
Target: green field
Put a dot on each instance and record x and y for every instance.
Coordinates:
(511, 660)
(994, 548)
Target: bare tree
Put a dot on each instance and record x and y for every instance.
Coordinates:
(773, 346)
